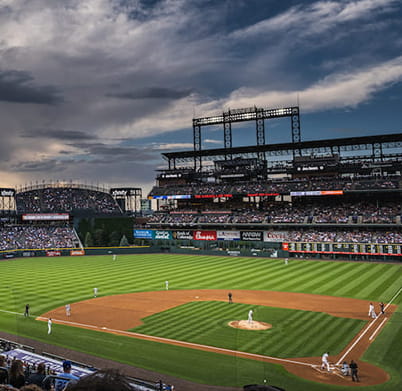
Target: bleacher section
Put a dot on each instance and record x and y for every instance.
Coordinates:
(54, 366)
(48, 199)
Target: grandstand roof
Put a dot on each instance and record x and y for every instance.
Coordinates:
(340, 142)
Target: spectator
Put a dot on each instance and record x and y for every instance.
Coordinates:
(65, 377)
(105, 380)
(16, 374)
(38, 376)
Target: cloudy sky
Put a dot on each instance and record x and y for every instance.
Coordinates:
(94, 90)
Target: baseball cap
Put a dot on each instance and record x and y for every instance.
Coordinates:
(66, 364)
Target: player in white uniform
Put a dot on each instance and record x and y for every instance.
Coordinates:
(371, 312)
(95, 292)
(49, 325)
(250, 317)
(324, 362)
(167, 285)
(68, 309)
(114, 257)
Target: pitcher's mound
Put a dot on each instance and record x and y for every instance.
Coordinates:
(246, 325)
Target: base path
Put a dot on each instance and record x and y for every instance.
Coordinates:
(116, 314)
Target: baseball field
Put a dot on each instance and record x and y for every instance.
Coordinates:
(312, 306)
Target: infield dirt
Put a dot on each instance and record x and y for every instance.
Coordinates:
(116, 314)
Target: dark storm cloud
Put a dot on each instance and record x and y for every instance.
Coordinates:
(17, 87)
(47, 165)
(104, 153)
(59, 134)
(152, 93)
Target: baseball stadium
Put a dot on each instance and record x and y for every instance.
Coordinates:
(260, 267)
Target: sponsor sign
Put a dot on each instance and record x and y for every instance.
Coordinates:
(28, 254)
(182, 235)
(274, 236)
(170, 197)
(143, 234)
(205, 235)
(125, 192)
(45, 216)
(316, 193)
(250, 236)
(53, 253)
(77, 252)
(285, 246)
(165, 235)
(54, 365)
(228, 235)
(9, 255)
(213, 196)
(7, 192)
(233, 253)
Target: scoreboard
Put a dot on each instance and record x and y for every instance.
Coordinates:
(344, 248)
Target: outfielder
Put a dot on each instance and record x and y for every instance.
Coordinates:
(95, 292)
(167, 285)
(49, 325)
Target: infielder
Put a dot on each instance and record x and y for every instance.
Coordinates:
(68, 309)
(372, 311)
(95, 292)
(250, 317)
(167, 285)
(49, 325)
(324, 362)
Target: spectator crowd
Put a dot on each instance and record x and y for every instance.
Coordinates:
(65, 199)
(282, 186)
(301, 212)
(37, 237)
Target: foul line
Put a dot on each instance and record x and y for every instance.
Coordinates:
(367, 329)
(176, 342)
(378, 328)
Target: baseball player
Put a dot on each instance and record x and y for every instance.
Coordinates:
(95, 292)
(114, 257)
(286, 261)
(26, 313)
(68, 309)
(230, 297)
(371, 312)
(49, 325)
(250, 317)
(167, 285)
(324, 362)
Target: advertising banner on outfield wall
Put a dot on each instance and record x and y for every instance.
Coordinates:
(228, 235)
(53, 253)
(251, 236)
(182, 235)
(275, 236)
(164, 235)
(143, 234)
(205, 235)
(75, 253)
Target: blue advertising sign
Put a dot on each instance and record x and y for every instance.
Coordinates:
(143, 234)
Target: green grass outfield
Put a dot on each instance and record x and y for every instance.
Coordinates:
(46, 283)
